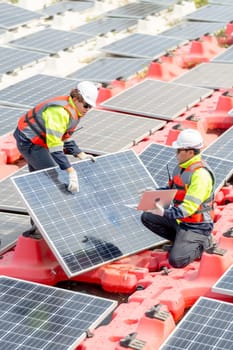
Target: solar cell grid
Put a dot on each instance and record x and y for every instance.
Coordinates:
(212, 13)
(207, 325)
(222, 147)
(61, 7)
(107, 69)
(27, 93)
(94, 226)
(142, 46)
(136, 10)
(50, 40)
(192, 30)
(11, 227)
(221, 2)
(10, 199)
(39, 317)
(12, 16)
(154, 98)
(13, 59)
(105, 25)
(156, 157)
(107, 132)
(211, 75)
(225, 57)
(224, 285)
(8, 119)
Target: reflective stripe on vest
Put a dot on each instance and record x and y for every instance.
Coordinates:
(32, 123)
(181, 181)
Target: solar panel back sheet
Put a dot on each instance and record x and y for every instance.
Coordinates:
(94, 226)
(157, 99)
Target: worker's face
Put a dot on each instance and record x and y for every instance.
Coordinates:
(83, 107)
(182, 155)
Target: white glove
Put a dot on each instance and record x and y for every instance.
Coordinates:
(73, 182)
(84, 156)
(159, 210)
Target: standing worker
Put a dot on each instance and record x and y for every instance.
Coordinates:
(43, 133)
(188, 223)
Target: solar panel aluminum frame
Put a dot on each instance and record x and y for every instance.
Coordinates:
(224, 284)
(44, 317)
(115, 216)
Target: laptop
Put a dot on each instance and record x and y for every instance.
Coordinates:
(163, 197)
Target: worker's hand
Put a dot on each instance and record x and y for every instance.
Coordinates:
(73, 182)
(158, 210)
(84, 156)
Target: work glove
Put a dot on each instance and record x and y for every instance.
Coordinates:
(158, 209)
(84, 156)
(73, 182)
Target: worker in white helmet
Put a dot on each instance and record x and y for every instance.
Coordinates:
(188, 222)
(43, 134)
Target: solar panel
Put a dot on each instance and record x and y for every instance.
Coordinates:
(224, 284)
(107, 132)
(105, 70)
(10, 200)
(27, 93)
(157, 99)
(135, 10)
(105, 25)
(11, 227)
(51, 40)
(222, 147)
(13, 59)
(224, 57)
(13, 16)
(159, 159)
(221, 2)
(166, 3)
(35, 316)
(61, 7)
(212, 13)
(207, 325)
(8, 119)
(142, 46)
(192, 30)
(210, 75)
(96, 225)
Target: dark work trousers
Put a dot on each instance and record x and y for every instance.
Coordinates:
(37, 157)
(187, 245)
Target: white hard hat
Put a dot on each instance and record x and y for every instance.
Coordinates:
(89, 92)
(189, 138)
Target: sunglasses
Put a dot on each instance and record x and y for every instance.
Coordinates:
(86, 105)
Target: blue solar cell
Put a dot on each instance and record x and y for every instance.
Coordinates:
(224, 284)
(12, 16)
(95, 225)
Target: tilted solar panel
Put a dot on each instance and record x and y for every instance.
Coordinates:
(11, 227)
(94, 226)
(210, 75)
(158, 99)
(212, 13)
(50, 40)
(135, 10)
(160, 161)
(224, 57)
(143, 46)
(35, 316)
(207, 325)
(8, 119)
(107, 132)
(107, 69)
(224, 284)
(28, 92)
(12, 16)
(222, 147)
